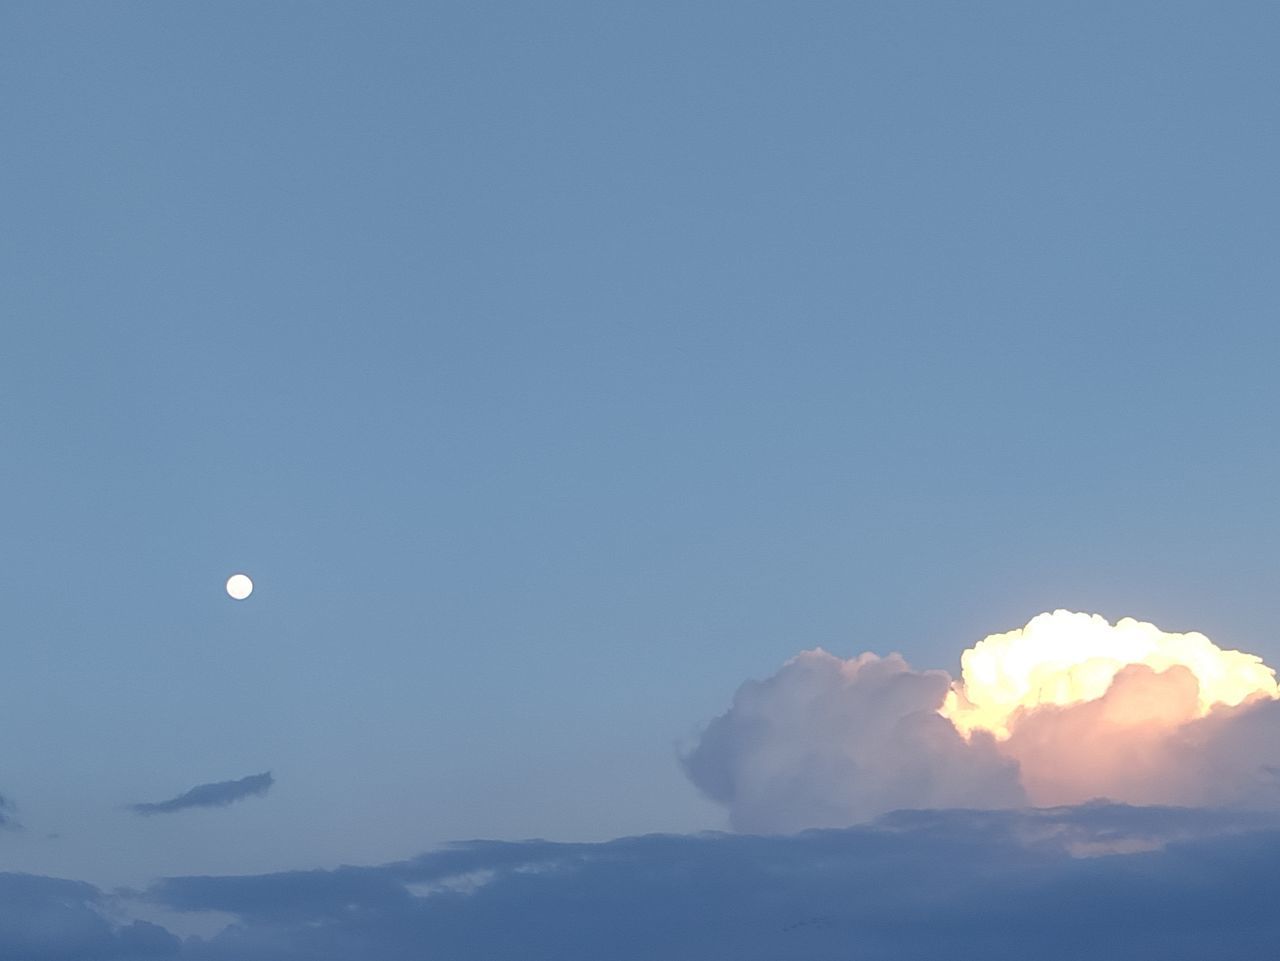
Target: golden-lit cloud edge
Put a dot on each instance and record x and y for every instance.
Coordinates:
(1064, 658)
(1065, 709)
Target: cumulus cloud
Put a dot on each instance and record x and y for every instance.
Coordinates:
(1067, 658)
(1189, 884)
(829, 742)
(216, 794)
(1067, 708)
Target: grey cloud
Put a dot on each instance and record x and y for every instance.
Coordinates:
(1235, 754)
(49, 919)
(964, 884)
(827, 742)
(217, 794)
(960, 884)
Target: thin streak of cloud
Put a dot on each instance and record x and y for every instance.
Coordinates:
(216, 794)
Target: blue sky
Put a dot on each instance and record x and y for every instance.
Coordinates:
(555, 368)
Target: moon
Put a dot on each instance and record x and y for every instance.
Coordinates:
(239, 586)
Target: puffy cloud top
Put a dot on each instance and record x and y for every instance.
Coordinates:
(1066, 658)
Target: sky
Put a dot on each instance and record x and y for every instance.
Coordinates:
(553, 369)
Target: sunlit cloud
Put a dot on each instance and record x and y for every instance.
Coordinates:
(1065, 709)
(1067, 658)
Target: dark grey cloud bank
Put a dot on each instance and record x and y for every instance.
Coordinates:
(957, 884)
(217, 794)
(42, 919)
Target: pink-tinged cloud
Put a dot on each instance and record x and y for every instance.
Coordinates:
(1066, 709)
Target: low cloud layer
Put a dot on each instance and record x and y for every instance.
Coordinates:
(217, 794)
(1067, 709)
(1189, 884)
(43, 919)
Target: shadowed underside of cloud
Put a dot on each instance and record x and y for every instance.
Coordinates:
(42, 919)
(956, 884)
(217, 794)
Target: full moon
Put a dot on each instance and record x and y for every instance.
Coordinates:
(239, 586)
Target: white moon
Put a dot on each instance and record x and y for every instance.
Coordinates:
(239, 586)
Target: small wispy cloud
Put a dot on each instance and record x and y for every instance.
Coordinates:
(216, 794)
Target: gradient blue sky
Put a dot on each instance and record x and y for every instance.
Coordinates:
(553, 368)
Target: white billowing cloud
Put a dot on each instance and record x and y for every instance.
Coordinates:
(1063, 710)
(1067, 658)
(828, 742)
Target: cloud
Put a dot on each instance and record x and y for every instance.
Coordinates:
(7, 811)
(1067, 658)
(830, 742)
(1066, 709)
(1187, 884)
(43, 919)
(217, 794)
(959, 866)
